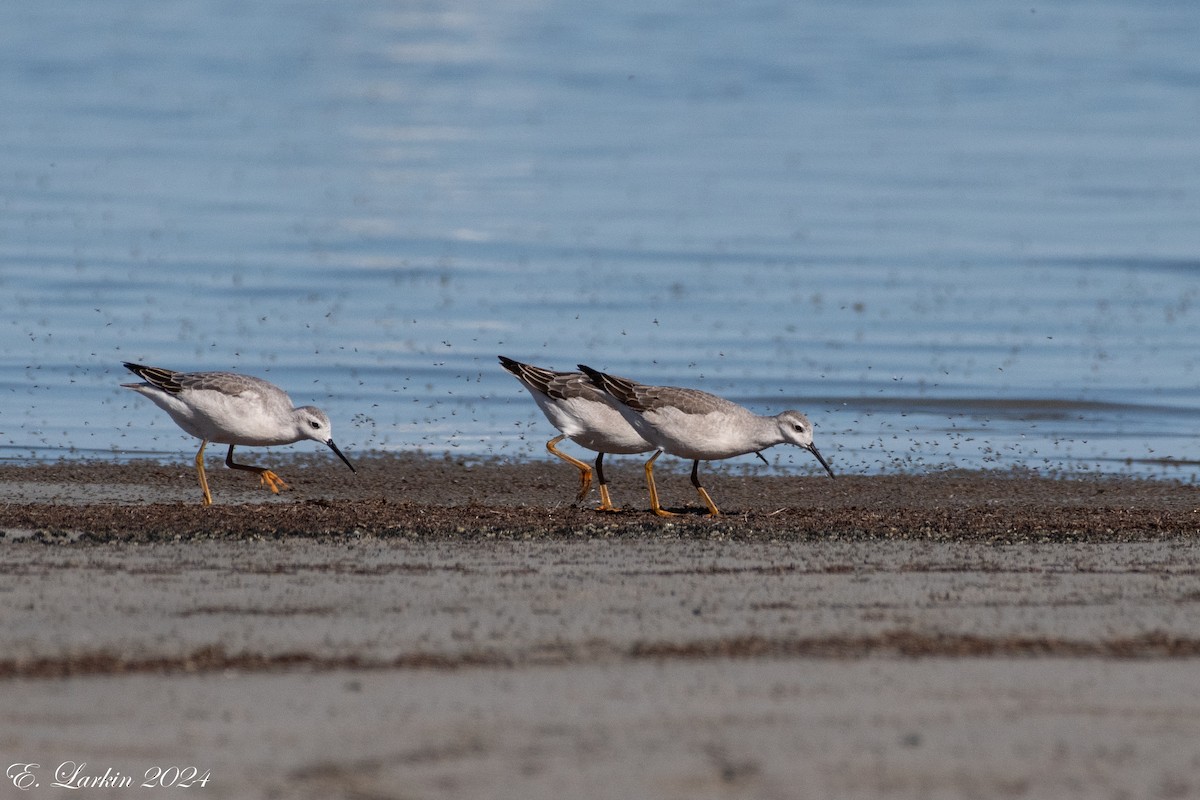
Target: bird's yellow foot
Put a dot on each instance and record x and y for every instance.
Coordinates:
(585, 484)
(605, 501)
(271, 481)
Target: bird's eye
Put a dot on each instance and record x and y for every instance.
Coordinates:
(316, 426)
(798, 427)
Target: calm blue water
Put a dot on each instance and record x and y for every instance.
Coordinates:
(956, 234)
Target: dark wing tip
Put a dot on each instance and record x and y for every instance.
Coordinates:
(523, 371)
(596, 375)
(623, 389)
(156, 376)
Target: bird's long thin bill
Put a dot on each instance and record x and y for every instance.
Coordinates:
(812, 449)
(334, 448)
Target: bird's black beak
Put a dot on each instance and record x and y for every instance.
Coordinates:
(334, 448)
(812, 448)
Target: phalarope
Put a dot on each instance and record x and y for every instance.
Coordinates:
(229, 408)
(585, 415)
(692, 424)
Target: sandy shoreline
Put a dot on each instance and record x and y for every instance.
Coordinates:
(436, 628)
(412, 495)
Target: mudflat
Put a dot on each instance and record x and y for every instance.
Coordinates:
(435, 627)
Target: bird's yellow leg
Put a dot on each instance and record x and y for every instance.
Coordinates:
(200, 472)
(708, 501)
(265, 476)
(605, 501)
(585, 472)
(654, 506)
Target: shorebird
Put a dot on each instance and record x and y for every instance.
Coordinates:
(692, 424)
(585, 415)
(229, 408)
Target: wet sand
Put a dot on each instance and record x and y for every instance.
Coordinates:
(436, 628)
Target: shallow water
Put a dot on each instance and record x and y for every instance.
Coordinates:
(955, 235)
